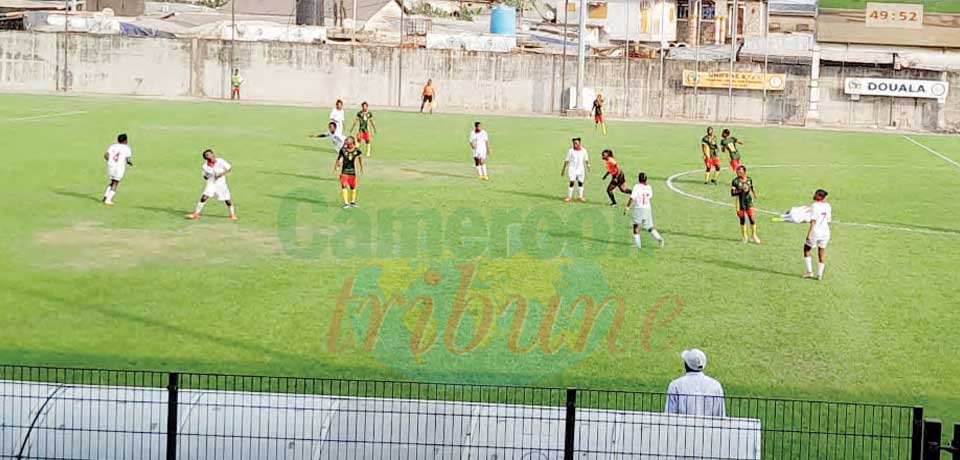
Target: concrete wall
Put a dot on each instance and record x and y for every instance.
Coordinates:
(470, 81)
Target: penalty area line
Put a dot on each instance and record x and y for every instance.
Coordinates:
(938, 154)
(675, 189)
(40, 117)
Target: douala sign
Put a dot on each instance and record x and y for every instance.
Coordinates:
(896, 88)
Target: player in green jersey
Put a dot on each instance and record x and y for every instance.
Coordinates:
(598, 121)
(365, 120)
(744, 193)
(235, 81)
(729, 144)
(711, 156)
(349, 163)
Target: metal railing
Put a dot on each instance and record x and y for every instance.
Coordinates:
(62, 413)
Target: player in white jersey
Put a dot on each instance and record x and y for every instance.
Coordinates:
(480, 144)
(576, 166)
(337, 138)
(641, 197)
(215, 172)
(117, 157)
(337, 116)
(818, 235)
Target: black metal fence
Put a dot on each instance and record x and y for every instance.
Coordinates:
(59, 413)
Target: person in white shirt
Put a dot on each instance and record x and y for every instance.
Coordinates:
(694, 393)
(640, 198)
(480, 144)
(818, 234)
(117, 157)
(215, 172)
(337, 116)
(337, 138)
(576, 166)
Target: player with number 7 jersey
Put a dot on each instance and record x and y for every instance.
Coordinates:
(641, 201)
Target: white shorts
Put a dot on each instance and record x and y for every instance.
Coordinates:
(575, 177)
(116, 172)
(643, 217)
(219, 191)
(482, 156)
(818, 240)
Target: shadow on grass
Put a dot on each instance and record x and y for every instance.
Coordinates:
(436, 173)
(243, 347)
(313, 148)
(301, 176)
(542, 196)
(169, 211)
(729, 264)
(302, 199)
(721, 239)
(71, 194)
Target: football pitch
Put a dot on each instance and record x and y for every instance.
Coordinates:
(438, 276)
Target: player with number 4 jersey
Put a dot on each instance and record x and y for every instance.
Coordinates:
(117, 157)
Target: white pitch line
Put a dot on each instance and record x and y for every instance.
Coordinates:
(940, 155)
(39, 117)
(674, 188)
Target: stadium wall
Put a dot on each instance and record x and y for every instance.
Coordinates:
(469, 81)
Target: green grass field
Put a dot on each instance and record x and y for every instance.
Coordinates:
(137, 286)
(933, 6)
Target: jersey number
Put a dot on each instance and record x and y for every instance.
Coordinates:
(116, 157)
(645, 199)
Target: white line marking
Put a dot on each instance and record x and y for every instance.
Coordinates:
(942, 156)
(674, 188)
(38, 117)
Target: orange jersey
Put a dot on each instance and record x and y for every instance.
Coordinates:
(611, 164)
(428, 90)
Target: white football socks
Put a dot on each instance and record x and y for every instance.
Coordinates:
(808, 261)
(199, 207)
(820, 268)
(636, 240)
(656, 234)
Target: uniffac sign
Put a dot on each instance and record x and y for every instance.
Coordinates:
(930, 89)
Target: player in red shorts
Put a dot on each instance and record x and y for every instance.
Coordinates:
(235, 81)
(617, 181)
(711, 157)
(365, 119)
(349, 162)
(744, 192)
(729, 144)
(598, 115)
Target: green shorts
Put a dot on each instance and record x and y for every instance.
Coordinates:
(643, 217)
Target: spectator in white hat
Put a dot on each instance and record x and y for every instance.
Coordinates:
(695, 393)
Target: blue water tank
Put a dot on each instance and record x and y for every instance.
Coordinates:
(503, 20)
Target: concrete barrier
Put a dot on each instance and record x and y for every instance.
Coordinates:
(42, 420)
(464, 80)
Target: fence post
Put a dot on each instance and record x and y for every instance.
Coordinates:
(955, 443)
(932, 430)
(916, 453)
(570, 425)
(172, 389)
